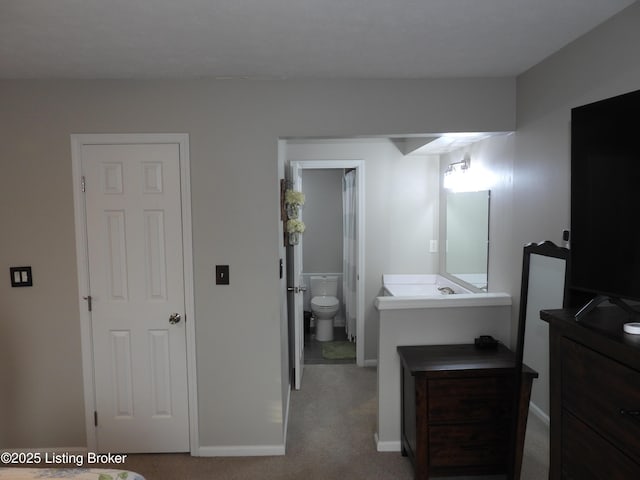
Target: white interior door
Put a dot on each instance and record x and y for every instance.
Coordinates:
(136, 277)
(298, 293)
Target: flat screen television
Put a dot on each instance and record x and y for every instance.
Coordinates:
(605, 199)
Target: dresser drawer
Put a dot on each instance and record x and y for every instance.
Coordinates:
(468, 445)
(587, 456)
(597, 390)
(470, 399)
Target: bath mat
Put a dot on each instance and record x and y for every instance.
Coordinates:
(338, 350)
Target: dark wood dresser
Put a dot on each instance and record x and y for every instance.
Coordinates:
(457, 409)
(595, 396)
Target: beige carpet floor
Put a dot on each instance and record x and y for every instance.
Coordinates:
(331, 436)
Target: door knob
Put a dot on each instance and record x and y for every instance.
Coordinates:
(174, 318)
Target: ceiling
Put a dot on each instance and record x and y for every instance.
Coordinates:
(274, 39)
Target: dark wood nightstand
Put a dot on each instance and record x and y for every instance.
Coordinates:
(457, 409)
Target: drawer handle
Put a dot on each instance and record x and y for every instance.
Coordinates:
(475, 402)
(474, 448)
(630, 413)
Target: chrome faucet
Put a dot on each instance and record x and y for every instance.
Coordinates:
(446, 290)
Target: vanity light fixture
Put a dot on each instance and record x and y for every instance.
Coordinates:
(455, 176)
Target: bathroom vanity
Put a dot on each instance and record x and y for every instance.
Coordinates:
(458, 409)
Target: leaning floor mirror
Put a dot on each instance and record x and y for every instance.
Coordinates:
(545, 274)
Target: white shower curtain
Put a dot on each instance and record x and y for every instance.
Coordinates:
(350, 251)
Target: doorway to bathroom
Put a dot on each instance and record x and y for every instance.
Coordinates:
(333, 248)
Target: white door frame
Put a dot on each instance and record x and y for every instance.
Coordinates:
(82, 256)
(359, 166)
(296, 282)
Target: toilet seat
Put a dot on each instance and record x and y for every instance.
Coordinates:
(324, 303)
(324, 308)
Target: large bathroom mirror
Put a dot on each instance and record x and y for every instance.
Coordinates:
(467, 237)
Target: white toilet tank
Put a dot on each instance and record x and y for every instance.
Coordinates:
(325, 286)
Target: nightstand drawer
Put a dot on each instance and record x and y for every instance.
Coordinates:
(604, 394)
(470, 399)
(468, 445)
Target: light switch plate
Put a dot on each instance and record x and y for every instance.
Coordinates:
(21, 277)
(222, 274)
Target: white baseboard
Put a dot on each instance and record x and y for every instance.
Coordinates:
(394, 446)
(286, 416)
(540, 414)
(242, 451)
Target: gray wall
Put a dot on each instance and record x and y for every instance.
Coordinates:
(322, 215)
(234, 128)
(599, 65)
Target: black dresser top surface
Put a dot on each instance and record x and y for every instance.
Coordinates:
(601, 328)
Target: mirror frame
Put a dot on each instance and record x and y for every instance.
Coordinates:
(545, 249)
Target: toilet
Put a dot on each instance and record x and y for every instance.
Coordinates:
(324, 305)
